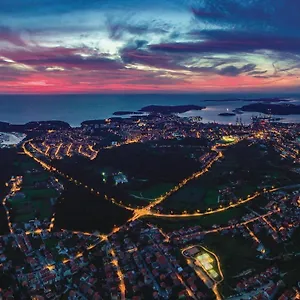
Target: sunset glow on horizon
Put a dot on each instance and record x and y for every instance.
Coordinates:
(149, 46)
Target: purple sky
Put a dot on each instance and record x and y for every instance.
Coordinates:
(67, 46)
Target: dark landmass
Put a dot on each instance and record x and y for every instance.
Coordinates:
(170, 109)
(226, 114)
(125, 112)
(265, 100)
(36, 125)
(81, 210)
(47, 125)
(93, 122)
(276, 109)
(237, 111)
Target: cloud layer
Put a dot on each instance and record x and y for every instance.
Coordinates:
(63, 46)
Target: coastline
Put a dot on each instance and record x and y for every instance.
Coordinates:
(74, 109)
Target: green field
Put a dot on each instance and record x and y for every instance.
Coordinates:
(153, 192)
(30, 178)
(39, 193)
(32, 201)
(27, 208)
(244, 169)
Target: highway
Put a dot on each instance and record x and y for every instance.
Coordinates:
(213, 211)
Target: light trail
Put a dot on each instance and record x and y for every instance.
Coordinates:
(69, 150)
(15, 187)
(90, 156)
(209, 212)
(215, 230)
(79, 149)
(47, 151)
(57, 150)
(93, 156)
(115, 262)
(254, 237)
(269, 224)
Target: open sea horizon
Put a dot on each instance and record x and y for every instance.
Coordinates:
(74, 109)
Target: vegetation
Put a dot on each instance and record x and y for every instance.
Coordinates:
(78, 209)
(34, 199)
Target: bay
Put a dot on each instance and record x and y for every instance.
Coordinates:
(19, 109)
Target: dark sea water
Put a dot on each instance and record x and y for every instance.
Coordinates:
(74, 109)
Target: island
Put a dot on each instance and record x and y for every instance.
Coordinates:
(170, 109)
(276, 109)
(125, 112)
(226, 114)
(34, 125)
(265, 100)
(47, 125)
(237, 111)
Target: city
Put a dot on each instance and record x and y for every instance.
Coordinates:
(225, 226)
(150, 150)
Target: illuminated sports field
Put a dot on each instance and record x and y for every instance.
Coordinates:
(205, 260)
(228, 139)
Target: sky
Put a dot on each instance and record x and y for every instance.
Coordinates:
(112, 46)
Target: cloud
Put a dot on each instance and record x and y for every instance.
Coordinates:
(268, 16)
(148, 58)
(222, 41)
(81, 58)
(117, 29)
(13, 37)
(150, 44)
(235, 71)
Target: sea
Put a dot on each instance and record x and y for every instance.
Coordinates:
(19, 109)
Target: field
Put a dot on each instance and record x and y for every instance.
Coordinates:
(152, 192)
(36, 203)
(78, 209)
(34, 199)
(243, 170)
(138, 194)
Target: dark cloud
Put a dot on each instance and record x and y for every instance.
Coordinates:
(281, 17)
(177, 62)
(75, 61)
(254, 73)
(235, 71)
(64, 57)
(139, 56)
(221, 41)
(206, 14)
